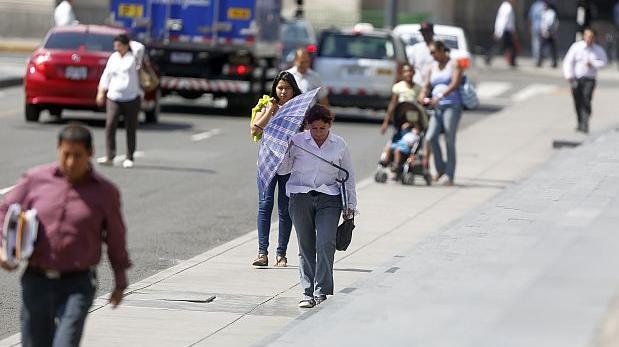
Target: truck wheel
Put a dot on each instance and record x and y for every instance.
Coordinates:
(152, 115)
(32, 113)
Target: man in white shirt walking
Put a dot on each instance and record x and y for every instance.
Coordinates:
(580, 66)
(419, 54)
(64, 15)
(306, 78)
(505, 31)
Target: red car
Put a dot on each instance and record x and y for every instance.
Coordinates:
(64, 73)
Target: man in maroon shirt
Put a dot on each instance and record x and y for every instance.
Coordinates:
(78, 210)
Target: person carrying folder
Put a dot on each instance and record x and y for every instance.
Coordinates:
(77, 210)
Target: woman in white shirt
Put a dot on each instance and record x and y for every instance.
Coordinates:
(120, 85)
(315, 201)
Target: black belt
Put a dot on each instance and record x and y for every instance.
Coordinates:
(313, 193)
(56, 275)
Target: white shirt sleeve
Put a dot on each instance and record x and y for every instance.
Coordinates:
(568, 62)
(104, 82)
(351, 191)
(63, 14)
(600, 60)
(138, 52)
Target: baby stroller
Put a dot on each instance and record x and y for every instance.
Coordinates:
(412, 113)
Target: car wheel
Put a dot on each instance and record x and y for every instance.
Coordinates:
(152, 115)
(33, 112)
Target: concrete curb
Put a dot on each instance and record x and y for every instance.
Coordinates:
(18, 47)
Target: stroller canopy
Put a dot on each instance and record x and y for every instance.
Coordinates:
(409, 112)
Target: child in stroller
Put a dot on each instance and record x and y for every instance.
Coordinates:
(402, 154)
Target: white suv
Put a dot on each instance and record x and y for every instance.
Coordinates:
(452, 36)
(359, 67)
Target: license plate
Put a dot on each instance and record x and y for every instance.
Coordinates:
(181, 57)
(76, 72)
(130, 10)
(239, 13)
(356, 70)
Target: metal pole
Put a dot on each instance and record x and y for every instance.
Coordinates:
(391, 8)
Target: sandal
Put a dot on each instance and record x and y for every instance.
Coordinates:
(281, 261)
(262, 260)
(307, 303)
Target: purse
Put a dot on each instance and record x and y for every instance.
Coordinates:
(344, 234)
(149, 80)
(470, 101)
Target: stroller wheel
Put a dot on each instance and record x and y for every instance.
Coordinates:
(380, 176)
(408, 179)
(428, 179)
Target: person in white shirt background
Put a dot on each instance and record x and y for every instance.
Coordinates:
(549, 27)
(419, 54)
(120, 86)
(580, 66)
(315, 201)
(505, 32)
(307, 79)
(64, 15)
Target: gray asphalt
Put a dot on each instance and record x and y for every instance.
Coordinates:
(183, 197)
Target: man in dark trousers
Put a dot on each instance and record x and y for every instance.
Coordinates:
(77, 210)
(580, 67)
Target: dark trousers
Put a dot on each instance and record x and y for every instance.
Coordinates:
(551, 43)
(315, 217)
(508, 47)
(54, 310)
(582, 92)
(129, 110)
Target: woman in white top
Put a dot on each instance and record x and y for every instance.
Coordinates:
(120, 85)
(315, 201)
(443, 84)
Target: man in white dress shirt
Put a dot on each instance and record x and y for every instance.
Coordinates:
(549, 27)
(580, 66)
(505, 31)
(419, 54)
(307, 79)
(64, 15)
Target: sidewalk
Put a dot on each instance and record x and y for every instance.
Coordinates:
(250, 305)
(13, 55)
(535, 266)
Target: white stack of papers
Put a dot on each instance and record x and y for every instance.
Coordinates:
(19, 233)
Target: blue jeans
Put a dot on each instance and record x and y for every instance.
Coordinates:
(266, 201)
(445, 119)
(315, 219)
(54, 310)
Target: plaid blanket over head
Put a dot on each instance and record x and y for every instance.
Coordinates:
(285, 123)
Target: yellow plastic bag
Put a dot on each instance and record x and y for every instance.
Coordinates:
(262, 102)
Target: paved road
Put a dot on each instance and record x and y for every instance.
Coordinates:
(193, 187)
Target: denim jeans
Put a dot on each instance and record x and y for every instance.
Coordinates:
(266, 200)
(315, 219)
(445, 119)
(54, 310)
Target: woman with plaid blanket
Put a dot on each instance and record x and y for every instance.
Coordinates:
(283, 90)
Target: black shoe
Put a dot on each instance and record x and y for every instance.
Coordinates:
(320, 299)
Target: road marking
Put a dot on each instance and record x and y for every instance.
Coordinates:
(533, 90)
(6, 190)
(205, 135)
(491, 89)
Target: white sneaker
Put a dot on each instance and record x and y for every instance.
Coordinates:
(127, 164)
(105, 161)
